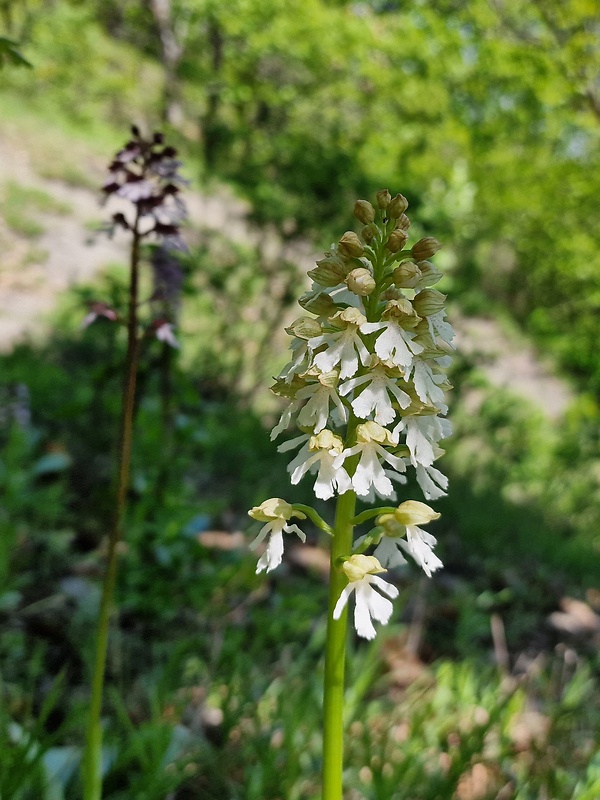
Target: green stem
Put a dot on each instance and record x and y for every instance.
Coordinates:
(92, 759)
(335, 653)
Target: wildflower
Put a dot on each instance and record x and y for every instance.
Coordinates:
(164, 333)
(98, 309)
(321, 452)
(361, 572)
(404, 522)
(396, 342)
(319, 395)
(376, 395)
(344, 347)
(422, 433)
(276, 513)
(369, 473)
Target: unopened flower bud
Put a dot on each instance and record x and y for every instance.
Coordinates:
(369, 232)
(403, 311)
(351, 246)
(320, 304)
(396, 240)
(407, 275)
(328, 272)
(360, 281)
(413, 512)
(364, 211)
(397, 206)
(403, 222)
(274, 508)
(357, 566)
(428, 302)
(383, 198)
(429, 274)
(425, 248)
(304, 328)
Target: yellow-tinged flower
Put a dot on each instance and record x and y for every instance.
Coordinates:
(274, 508)
(276, 513)
(361, 572)
(358, 566)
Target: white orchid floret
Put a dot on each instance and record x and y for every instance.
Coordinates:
(423, 432)
(362, 573)
(371, 440)
(321, 452)
(428, 381)
(402, 532)
(375, 397)
(319, 395)
(441, 327)
(433, 483)
(276, 513)
(343, 347)
(300, 355)
(396, 343)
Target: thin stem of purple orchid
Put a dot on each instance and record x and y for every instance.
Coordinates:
(92, 760)
(335, 653)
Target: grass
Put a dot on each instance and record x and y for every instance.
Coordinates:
(23, 204)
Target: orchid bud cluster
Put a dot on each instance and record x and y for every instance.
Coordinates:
(366, 388)
(145, 173)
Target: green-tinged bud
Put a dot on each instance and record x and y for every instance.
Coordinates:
(320, 304)
(425, 248)
(274, 508)
(407, 275)
(283, 388)
(391, 526)
(360, 281)
(364, 211)
(404, 312)
(351, 246)
(304, 328)
(349, 316)
(372, 431)
(413, 512)
(429, 274)
(358, 566)
(397, 206)
(329, 379)
(396, 240)
(383, 198)
(391, 293)
(403, 222)
(328, 272)
(326, 440)
(369, 232)
(428, 302)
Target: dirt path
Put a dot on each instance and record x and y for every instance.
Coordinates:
(31, 277)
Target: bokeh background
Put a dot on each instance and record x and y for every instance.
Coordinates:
(486, 115)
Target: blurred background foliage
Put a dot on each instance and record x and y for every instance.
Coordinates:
(486, 115)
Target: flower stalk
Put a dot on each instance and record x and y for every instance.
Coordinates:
(92, 778)
(335, 653)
